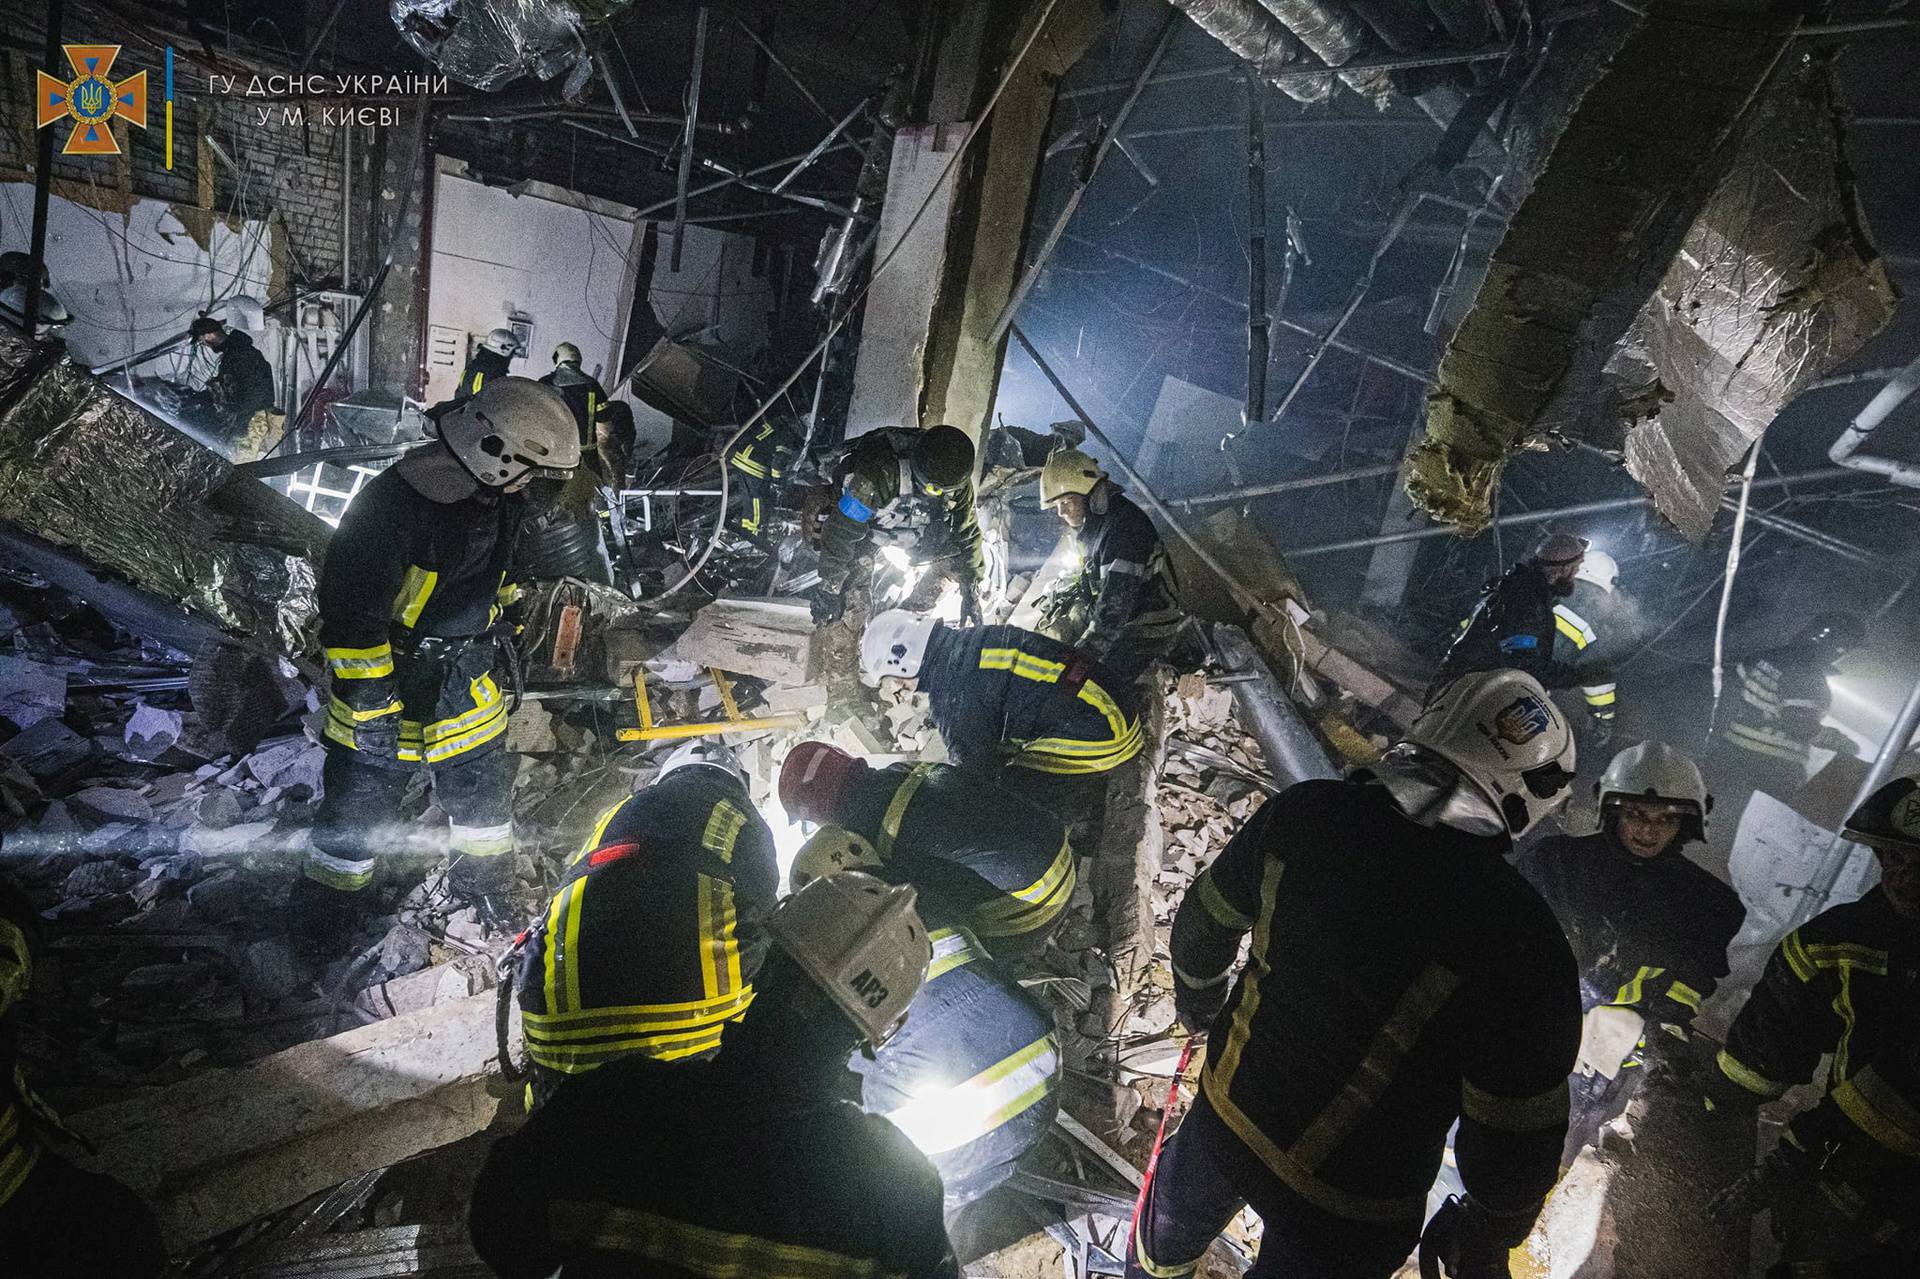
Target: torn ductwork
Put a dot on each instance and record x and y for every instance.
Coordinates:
(1337, 36)
(488, 44)
(1258, 38)
(134, 499)
(1642, 153)
(1776, 283)
(686, 383)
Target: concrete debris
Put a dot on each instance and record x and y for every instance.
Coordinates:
(31, 691)
(769, 638)
(151, 730)
(48, 748)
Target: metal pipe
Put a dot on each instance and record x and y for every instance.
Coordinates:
(1305, 122)
(1845, 449)
(1542, 517)
(1259, 326)
(346, 212)
(1286, 486)
(768, 167)
(1410, 62)
(1085, 180)
(819, 148)
(1840, 852)
(1291, 750)
(42, 185)
(692, 107)
(786, 70)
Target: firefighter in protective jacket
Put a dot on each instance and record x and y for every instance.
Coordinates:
(1008, 700)
(760, 463)
(1118, 602)
(56, 1221)
(1516, 622)
(992, 859)
(1402, 976)
(492, 359)
(409, 595)
(1649, 927)
(907, 488)
(972, 1077)
(1844, 1182)
(651, 944)
(748, 1164)
(1774, 710)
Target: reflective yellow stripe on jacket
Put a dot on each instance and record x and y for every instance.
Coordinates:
(1066, 755)
(1034, 907)
(700, 1250)
(19, 1152)
(949, 1118)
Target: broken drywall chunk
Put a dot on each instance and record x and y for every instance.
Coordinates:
(31, 691)
(47, 748)
(768, 638)
(151, 730)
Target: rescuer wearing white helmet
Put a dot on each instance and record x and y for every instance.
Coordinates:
(1118, 598)
(1402, 977)
(651, 943)
(492, 357)
(408, 599)
(1051, 721)
(583, 393)
(752, 1158)
(973, 1075)
(1649, 927)
(1843, 1184)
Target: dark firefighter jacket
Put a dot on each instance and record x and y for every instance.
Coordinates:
(244, 384)
(1848, 983)
(1783, 697)
(879, 497)
(1006, 697)
(1512, 628)
(484, 367)
(1124, 589)
(700, 1169)
(1000, 862)
(406, 579)
(972, 1078)
(652, 942)
(1400, 977)
(1590, 621)
(584, 396)
(760, 462)
(1648, 932)
(26, 1122)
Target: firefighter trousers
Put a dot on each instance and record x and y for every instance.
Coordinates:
(1206, 1175)
(360, 818)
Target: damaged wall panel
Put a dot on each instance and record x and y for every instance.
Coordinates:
(1637, 161)
(1776, 284)
(88, 471)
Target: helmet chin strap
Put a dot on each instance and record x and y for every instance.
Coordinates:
(1430, 792)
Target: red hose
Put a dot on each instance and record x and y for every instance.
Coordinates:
(1160, 1137)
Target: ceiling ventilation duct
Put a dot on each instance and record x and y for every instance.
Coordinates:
(1337, 36)
(1258, 38)
(1776, 283)
(488, 44)
(1618, 191)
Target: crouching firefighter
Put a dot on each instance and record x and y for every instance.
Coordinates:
(998, 862)
(1326, 1102)
(751, 1163)
(972, 1077)
(1844, 1182)
(1044, 719)
(56, 1221)
(652, 942)
(1649, 927)
(907, 488)
(409, 598)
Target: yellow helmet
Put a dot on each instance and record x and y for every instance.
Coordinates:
(1068, 471)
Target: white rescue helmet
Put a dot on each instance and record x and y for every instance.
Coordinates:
(1600, 569)
(862, 942)
(566, 353)
(895, 644)
(501, 342)
(512, 427)
(830, 851)
(1068, 471)
(1657, 771)
(1505, 735)
(708, 752)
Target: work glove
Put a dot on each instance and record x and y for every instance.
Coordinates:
(1465, 1241)
(1734, 1207)
(1599, 735)
(486, 884)
(1830, 738)
(970, 614)
(1195, 1007)
(828, 606)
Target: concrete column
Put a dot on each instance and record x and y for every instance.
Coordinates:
(404, 157)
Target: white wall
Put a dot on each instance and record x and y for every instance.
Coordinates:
(134, 280)
(568, 261)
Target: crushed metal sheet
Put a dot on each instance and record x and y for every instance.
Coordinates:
(1776, 284)
(488, 44)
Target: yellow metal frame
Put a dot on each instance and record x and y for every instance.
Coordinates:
(735, 722)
